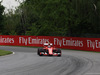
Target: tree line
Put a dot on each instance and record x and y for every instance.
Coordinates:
(52, 18)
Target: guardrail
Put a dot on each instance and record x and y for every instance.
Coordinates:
(87, 44)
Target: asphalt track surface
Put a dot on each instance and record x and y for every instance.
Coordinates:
(25, 61)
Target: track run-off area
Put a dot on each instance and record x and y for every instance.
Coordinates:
(25, 61)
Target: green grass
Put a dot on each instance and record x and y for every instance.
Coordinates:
(3, 52)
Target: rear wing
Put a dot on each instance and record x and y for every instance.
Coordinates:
(46, 44)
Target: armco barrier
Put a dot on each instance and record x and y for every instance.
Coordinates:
(87, 44)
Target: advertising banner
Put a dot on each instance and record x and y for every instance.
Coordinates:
(87, 44)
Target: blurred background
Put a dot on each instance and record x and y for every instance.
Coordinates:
(70, 18)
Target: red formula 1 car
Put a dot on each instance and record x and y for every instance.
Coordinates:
(49, 50)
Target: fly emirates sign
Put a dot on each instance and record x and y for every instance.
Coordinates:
(5, 40)
(66, 42)
(78, 43)
(55, 41)
(94, 44)
(62, 42)
(90, 44)
(30, 40)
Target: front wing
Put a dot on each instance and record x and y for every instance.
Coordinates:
(46, 54)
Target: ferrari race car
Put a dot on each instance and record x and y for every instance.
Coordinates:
(48, 50)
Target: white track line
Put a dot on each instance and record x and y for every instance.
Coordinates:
(13, 53)
(93, 73)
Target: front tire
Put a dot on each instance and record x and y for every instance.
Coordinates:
(59, 52)
(39, 52)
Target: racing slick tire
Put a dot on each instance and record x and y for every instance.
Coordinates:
(39, 52)
(59, 51)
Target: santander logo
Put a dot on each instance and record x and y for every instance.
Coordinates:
(50, 51)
